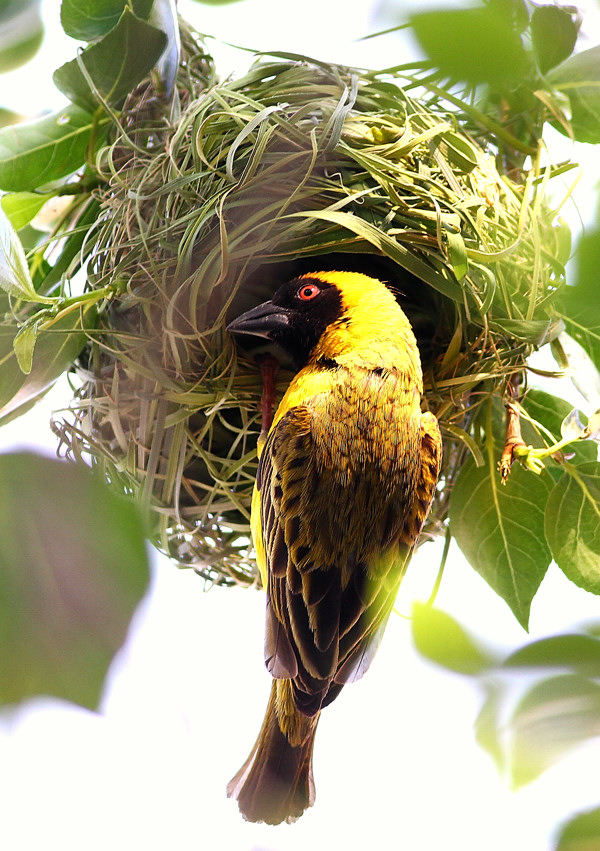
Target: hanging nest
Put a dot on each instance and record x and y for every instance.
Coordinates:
(297, 166)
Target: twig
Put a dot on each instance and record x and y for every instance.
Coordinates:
(513, 430)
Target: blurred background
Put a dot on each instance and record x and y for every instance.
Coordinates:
(396, 764)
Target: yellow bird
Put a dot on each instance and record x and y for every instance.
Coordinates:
(345, 481)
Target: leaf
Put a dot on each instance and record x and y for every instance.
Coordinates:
(584, 372)
(89, 20)
(593, 427)
(573, 525)
(553, 35)
(37, 152)
(460, 152)
(514, 11)
(116, 64)
(7, 116)
(14, 271)
(457, 253)
(388, 246)
(579, 78)
(582, 833)
(536, 331)
(580, 653)
(24, 345)
(572, 427)
(75, 248)
(21, 33)
(443, 640)
(21, 207)
(580, 303)
(55, 350)
(73, 571)
(164, 18)
(550, 411)
(478, 45)
(554, 716)
(487, 725)
(500, 530)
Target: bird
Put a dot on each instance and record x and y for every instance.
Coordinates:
(345, 481)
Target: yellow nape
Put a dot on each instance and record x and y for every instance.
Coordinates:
(357, 288)
(372, 329)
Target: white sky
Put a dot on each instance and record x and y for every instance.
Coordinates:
(396, 763)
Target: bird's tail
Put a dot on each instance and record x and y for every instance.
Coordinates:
(275, 784)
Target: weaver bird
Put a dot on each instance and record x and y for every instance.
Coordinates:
(344, 484)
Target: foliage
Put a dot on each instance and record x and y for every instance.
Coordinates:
(519, 58)
(21, 32)
(184, 199)
(557, 706)
(73, 570)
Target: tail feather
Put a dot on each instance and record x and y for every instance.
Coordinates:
(275, 784)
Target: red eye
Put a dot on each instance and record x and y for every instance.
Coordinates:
(309, 291)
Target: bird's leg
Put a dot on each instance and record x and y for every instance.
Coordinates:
(269, 367)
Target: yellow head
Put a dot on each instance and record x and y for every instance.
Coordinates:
(346, 317)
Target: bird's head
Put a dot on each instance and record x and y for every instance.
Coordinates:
(341, 316)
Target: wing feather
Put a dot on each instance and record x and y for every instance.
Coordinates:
(329, 601)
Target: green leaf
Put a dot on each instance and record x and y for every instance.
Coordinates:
(89, 20)
(38, 152)
(460, 152)
(457, 253)
(73, 571)
(55, 350)
(75, 249)
(14, 271)
(21, 207)
(24, 345)
(21, 33)
(572, 427)
(580, 304)
(8, 117)
(573, 525)
(580, 653)
(550, 411)
(582, 833)
(515, 13)
(500, 529)
(579, 78)
(478, 45)
(116, 64)
(554, 716)
(553, 35)
(536, 331)
(443, 640)
(390, 247)
(164, 18)
(488, 725)
(593, 427)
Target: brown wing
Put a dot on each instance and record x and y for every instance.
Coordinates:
(303, 601)
(335, 557)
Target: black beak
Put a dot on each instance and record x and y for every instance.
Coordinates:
(265, 321)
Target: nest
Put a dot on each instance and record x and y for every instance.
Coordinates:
(296, 166)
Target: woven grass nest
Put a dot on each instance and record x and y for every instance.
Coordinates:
(296, 166)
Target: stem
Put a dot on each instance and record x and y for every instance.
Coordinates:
(514, 438)
(440, 573)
